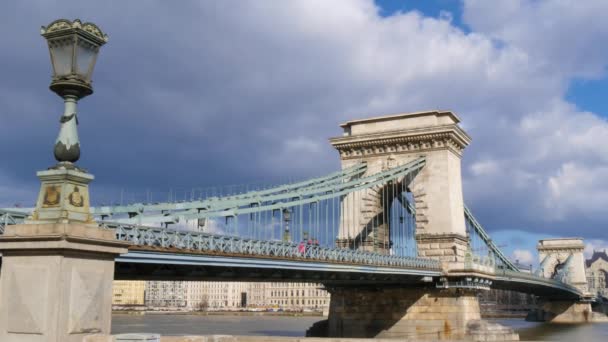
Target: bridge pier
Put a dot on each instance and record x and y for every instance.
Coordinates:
(421, 313)
(563, 311)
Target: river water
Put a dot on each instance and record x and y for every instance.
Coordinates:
(296, 326)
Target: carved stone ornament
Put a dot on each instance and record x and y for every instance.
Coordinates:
(52, 196)
(349, 149)
(76, 199)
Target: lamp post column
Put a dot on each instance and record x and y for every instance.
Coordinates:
(58, 267)
(67, 146)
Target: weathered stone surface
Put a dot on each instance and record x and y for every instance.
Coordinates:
(403, 313)
(480, 330)
(416, 314)
(565, 312)
(554, 253)
(56, 282)
(137, 338)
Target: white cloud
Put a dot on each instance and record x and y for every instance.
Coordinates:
(484, 167)
(561, 35)
(577, 190)
(525, 257)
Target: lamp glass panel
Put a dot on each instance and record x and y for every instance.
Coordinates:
(61, 51)
(85, 57)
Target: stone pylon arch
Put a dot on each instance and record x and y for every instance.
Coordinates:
(388, 141)
(567, 252)
(369, 229)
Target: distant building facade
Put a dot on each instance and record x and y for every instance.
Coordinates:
(202, 295)
(214, 295)
(293, 296)
(166, 294)
(128, 293)
(597, 273)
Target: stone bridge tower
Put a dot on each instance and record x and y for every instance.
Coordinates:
(563, 259)
(428, 312)
(388, 141)
(563, 256)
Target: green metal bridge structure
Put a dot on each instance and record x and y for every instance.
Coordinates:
(288, 232)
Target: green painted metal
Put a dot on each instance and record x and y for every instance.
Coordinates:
(229, 207)
(486, 238)
(9, 217)
(246, 198)
(232, 245)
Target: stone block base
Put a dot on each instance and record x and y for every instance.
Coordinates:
(444, 247)
(564, 312)
(425, 314)
(56, 282)
(480, 330)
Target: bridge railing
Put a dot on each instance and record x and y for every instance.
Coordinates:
(501, 272)
(197, 242)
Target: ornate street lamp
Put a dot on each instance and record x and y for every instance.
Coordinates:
(287, 219)
(64, 192)
(60, 245)
(73, 47)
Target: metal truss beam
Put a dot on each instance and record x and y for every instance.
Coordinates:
(254, 264)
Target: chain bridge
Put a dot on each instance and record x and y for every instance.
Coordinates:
(389, 235)
(391, 221)
(288, 232)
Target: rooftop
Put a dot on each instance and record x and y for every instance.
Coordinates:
(597, 255)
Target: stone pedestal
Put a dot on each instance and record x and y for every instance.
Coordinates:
(424, 314)
(63, 197)
(56, 281)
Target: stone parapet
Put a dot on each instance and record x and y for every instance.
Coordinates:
(22, 238)
(56, 281)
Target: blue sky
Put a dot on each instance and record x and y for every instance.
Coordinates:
(215, 93)
(587, 94)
